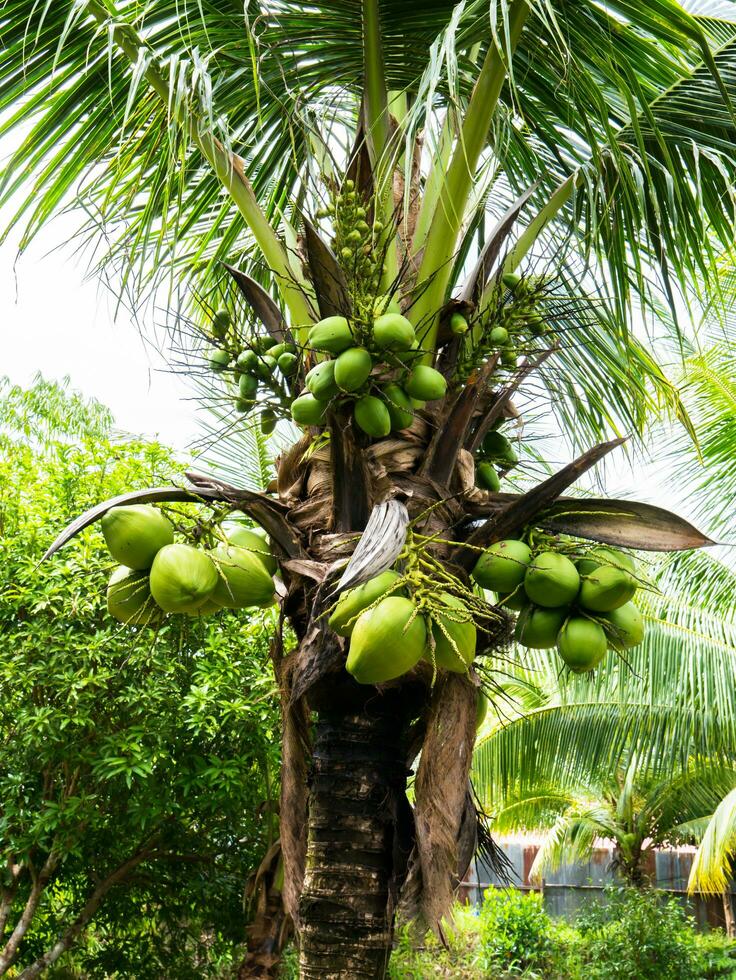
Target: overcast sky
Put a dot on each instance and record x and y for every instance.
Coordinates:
(55, 322)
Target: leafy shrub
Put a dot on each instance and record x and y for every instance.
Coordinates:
(638, 934)
(412, 960)
(516, 935)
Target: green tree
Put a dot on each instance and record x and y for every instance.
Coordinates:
(425, 130)
(137, 770)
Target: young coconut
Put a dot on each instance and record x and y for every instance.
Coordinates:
(129, 598)
(606, 588)
(255, 542)
(333, 334)
(182, 578)
(387, 641)
(537, 628)
(454, 636)
(354, 601)
(502, 567)
(242, 578)
(582, 644)
(321, 381)
(625, 627)
(392, 331)
(372, 416)
(134, 534)
(552, 580)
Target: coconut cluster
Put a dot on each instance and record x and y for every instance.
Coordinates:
(582, 607)
(374, 369)
(158, 575)
(262, 364)
(495, 456)
(389, 635)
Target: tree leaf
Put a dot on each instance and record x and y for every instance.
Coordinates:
(264, 306)
(327, 276)
(478, 278)
(626, 523)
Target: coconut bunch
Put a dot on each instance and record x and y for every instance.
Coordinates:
(581, 606)
(157, 575)
(494, 457)
(256, 365)
(393, 623)
(372, 367)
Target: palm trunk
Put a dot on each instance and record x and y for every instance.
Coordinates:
(728, 915)
(360, 831)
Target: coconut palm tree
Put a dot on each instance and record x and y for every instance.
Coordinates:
(538, 167)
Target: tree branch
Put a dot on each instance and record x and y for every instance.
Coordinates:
(89, 909)
(524, 509)
(10, 950)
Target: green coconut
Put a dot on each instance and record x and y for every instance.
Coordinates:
(502, 567)
(266, 367)
(218, 360)
(497, 446)
(387, 641)
(552, 580)
(425, 383)
(538, 627)
(458, 324)
(135, 533)
(516, 600)
(487, 477)
(372, 416)
(481, 710)
(129, 598)
(182, 578)
(352, 368)
(242, 578)
(499, 336)
(511, 280)
(333, 334)
(247, 386)
(321, 381)
(606, 588)
(307, 410)
(354, 601)
(400, 407)
(625, 627)
(582, 644)
(255, 542)
(392, 331)
(287, 363)
(247, 360)
(456, 651)
(221, 323)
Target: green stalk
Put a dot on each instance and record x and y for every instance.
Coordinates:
(558, 199)
(227, 166)
(436, 264)
(378, 132)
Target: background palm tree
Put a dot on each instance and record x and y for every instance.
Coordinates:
(194, 133)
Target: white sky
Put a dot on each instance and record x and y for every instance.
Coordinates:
(55, 322)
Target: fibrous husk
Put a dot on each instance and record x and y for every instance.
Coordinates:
(295, 754)
(440, 794)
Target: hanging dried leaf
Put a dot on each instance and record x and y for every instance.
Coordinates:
(379, 545)
(527, 507)
(150, 495)
(327, 276)
(263, 304)
(626, 523)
